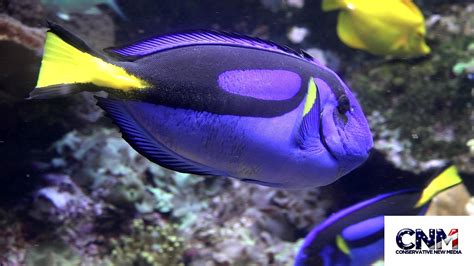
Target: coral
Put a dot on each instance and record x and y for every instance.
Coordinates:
(466, 67)
(59, 201)
(470, 207)
(12, 240)
(104, 164)
(58, 213)
(398, 150)
(52, 252)
(470, 144)
(64, 212)
(257, 225)
(251, 217)
(450, 202)
(15, 31)
(148, 244)
(253, 221)
(125, 185)
(86, 109)
(29, 12)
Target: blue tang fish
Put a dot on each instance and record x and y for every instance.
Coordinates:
(218, 104)
(355, 235)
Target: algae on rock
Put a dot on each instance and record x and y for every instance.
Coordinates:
(148, 244)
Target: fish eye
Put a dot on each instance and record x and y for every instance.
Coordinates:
(343, 104)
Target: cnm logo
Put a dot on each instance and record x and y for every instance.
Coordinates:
(409, 239)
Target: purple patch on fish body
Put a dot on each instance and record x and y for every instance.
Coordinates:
(363, 229)
(264, 84)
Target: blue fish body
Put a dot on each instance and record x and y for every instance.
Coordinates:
(229, 105)
(223, 142)
(355, 236)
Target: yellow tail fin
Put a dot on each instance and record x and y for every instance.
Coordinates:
(330, 5)
(68, 63)
(448, 178)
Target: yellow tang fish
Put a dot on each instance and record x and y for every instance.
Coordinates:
(389, 27)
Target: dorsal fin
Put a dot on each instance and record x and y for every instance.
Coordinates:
(309, 57)
(201, 37)
(306, 55)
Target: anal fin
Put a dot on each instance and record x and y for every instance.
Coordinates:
(142, 141)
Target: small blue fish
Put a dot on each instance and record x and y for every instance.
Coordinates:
(355, 235)
(218, 104)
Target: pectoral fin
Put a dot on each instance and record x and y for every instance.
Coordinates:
(309, 135)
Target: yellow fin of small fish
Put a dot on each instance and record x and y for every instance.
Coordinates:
(64, 64)
(345, 31)
(448, 178)
(342, 245)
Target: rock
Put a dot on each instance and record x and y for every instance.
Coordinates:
(450, 202)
